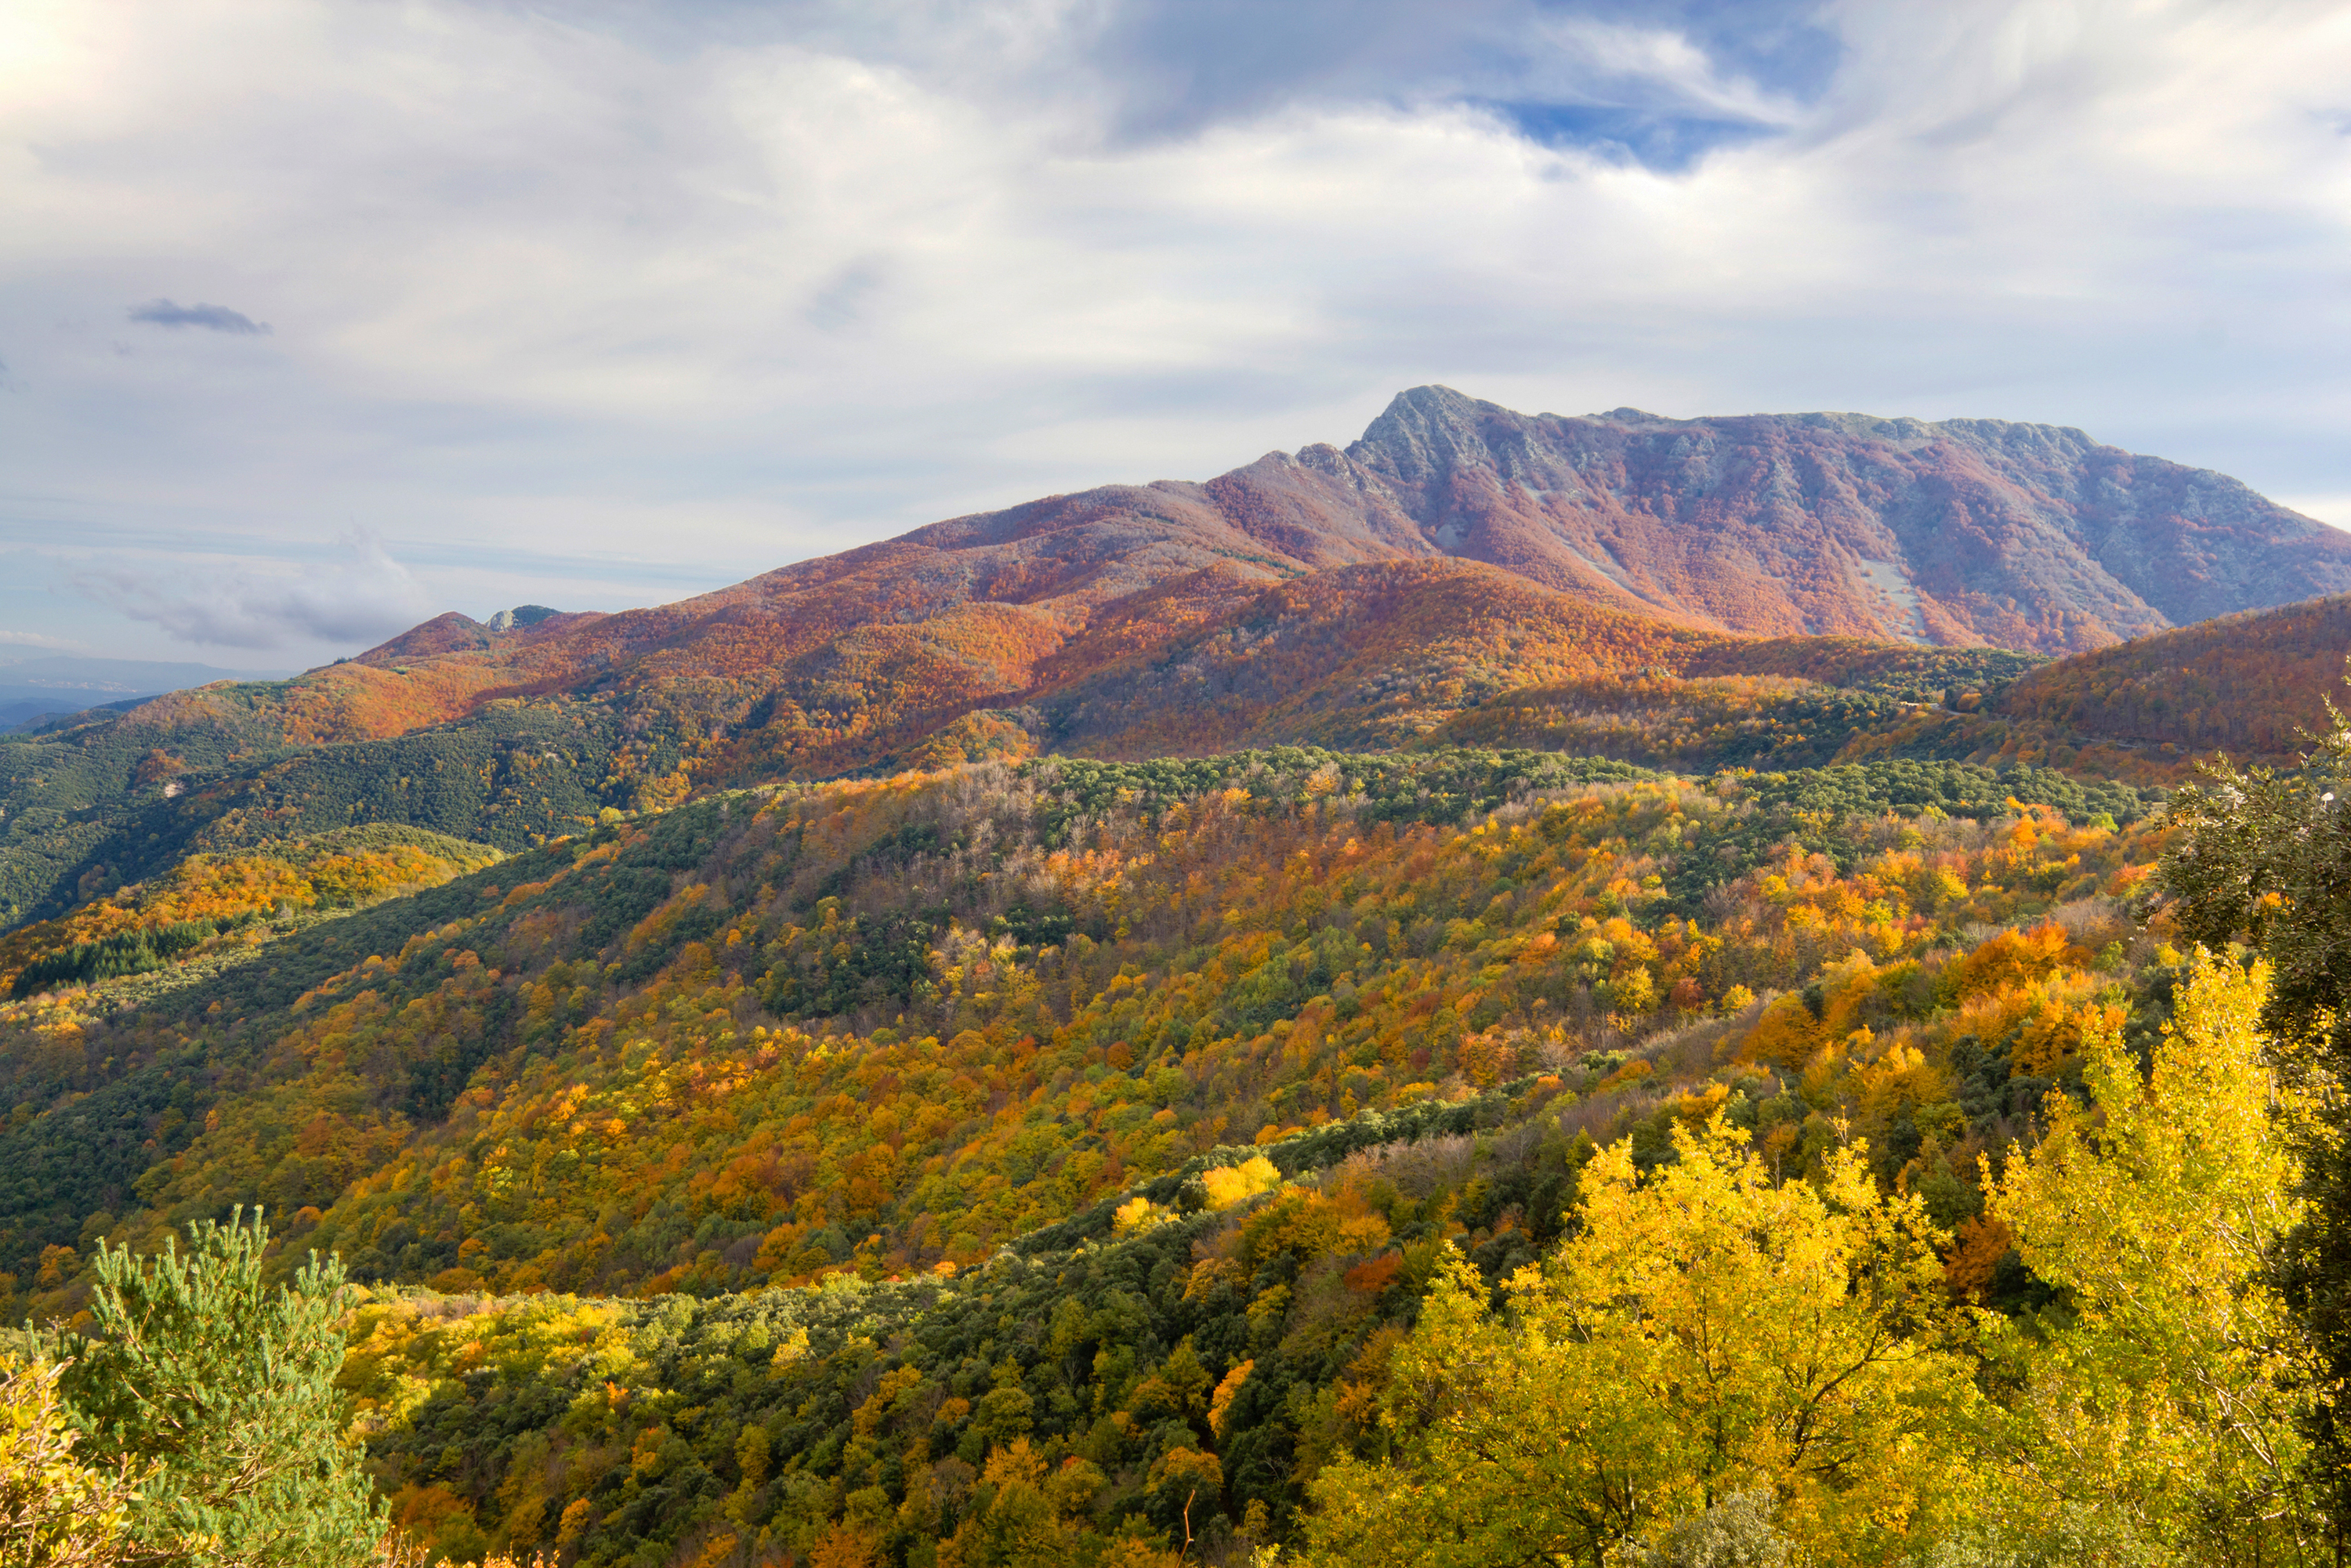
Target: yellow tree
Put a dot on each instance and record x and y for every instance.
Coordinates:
(2156, 1397)
(54, 1512)
(1705, 1332)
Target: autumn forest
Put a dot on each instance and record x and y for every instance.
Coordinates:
(1189, 1024)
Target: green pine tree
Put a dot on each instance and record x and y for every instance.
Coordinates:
(227, 1385)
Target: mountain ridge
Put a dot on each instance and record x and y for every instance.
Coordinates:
(1949, 533)
(1433, 473)
(1365, 597)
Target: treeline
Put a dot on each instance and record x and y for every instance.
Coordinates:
(1918, 675)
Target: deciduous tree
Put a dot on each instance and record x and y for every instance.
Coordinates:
(1705, 1332)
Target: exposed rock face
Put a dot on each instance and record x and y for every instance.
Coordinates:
(2027, 535)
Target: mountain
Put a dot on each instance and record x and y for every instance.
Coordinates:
(2025, 536)
(1968, 531)
(1365, 598)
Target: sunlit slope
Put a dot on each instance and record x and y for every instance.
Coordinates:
(739, 1041)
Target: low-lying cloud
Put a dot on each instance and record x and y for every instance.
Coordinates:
(365, 598)
(211, 318)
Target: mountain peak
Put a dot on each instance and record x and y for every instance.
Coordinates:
(1954, 533)
(1427, 431)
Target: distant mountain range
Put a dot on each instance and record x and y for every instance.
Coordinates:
(1774, 590)
(40, 686)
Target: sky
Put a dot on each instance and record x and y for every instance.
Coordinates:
(320, 316)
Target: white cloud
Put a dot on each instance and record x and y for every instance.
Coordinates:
(365, 598)
(619, 287)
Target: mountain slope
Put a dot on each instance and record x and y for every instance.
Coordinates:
(1361, 598)
(2248, 684)
(2254, 685)
(1265, 939)
(1015, 1062)
(1968, 530)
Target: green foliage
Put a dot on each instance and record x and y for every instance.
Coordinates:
(1439, 787)
(76, 822)
(225, 1384)
(125, 953)
(1938, 674)
(1809, 807)
(2065, 1536)
(1735, 1532)
(1910, 788)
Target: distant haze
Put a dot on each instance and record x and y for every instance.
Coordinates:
(33, 683)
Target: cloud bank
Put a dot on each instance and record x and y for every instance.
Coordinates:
(359, 599)
(607, 303)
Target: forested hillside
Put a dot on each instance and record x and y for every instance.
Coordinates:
(89, 809)
(1359, 656)
(1226, 1051)
(2252, 684)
